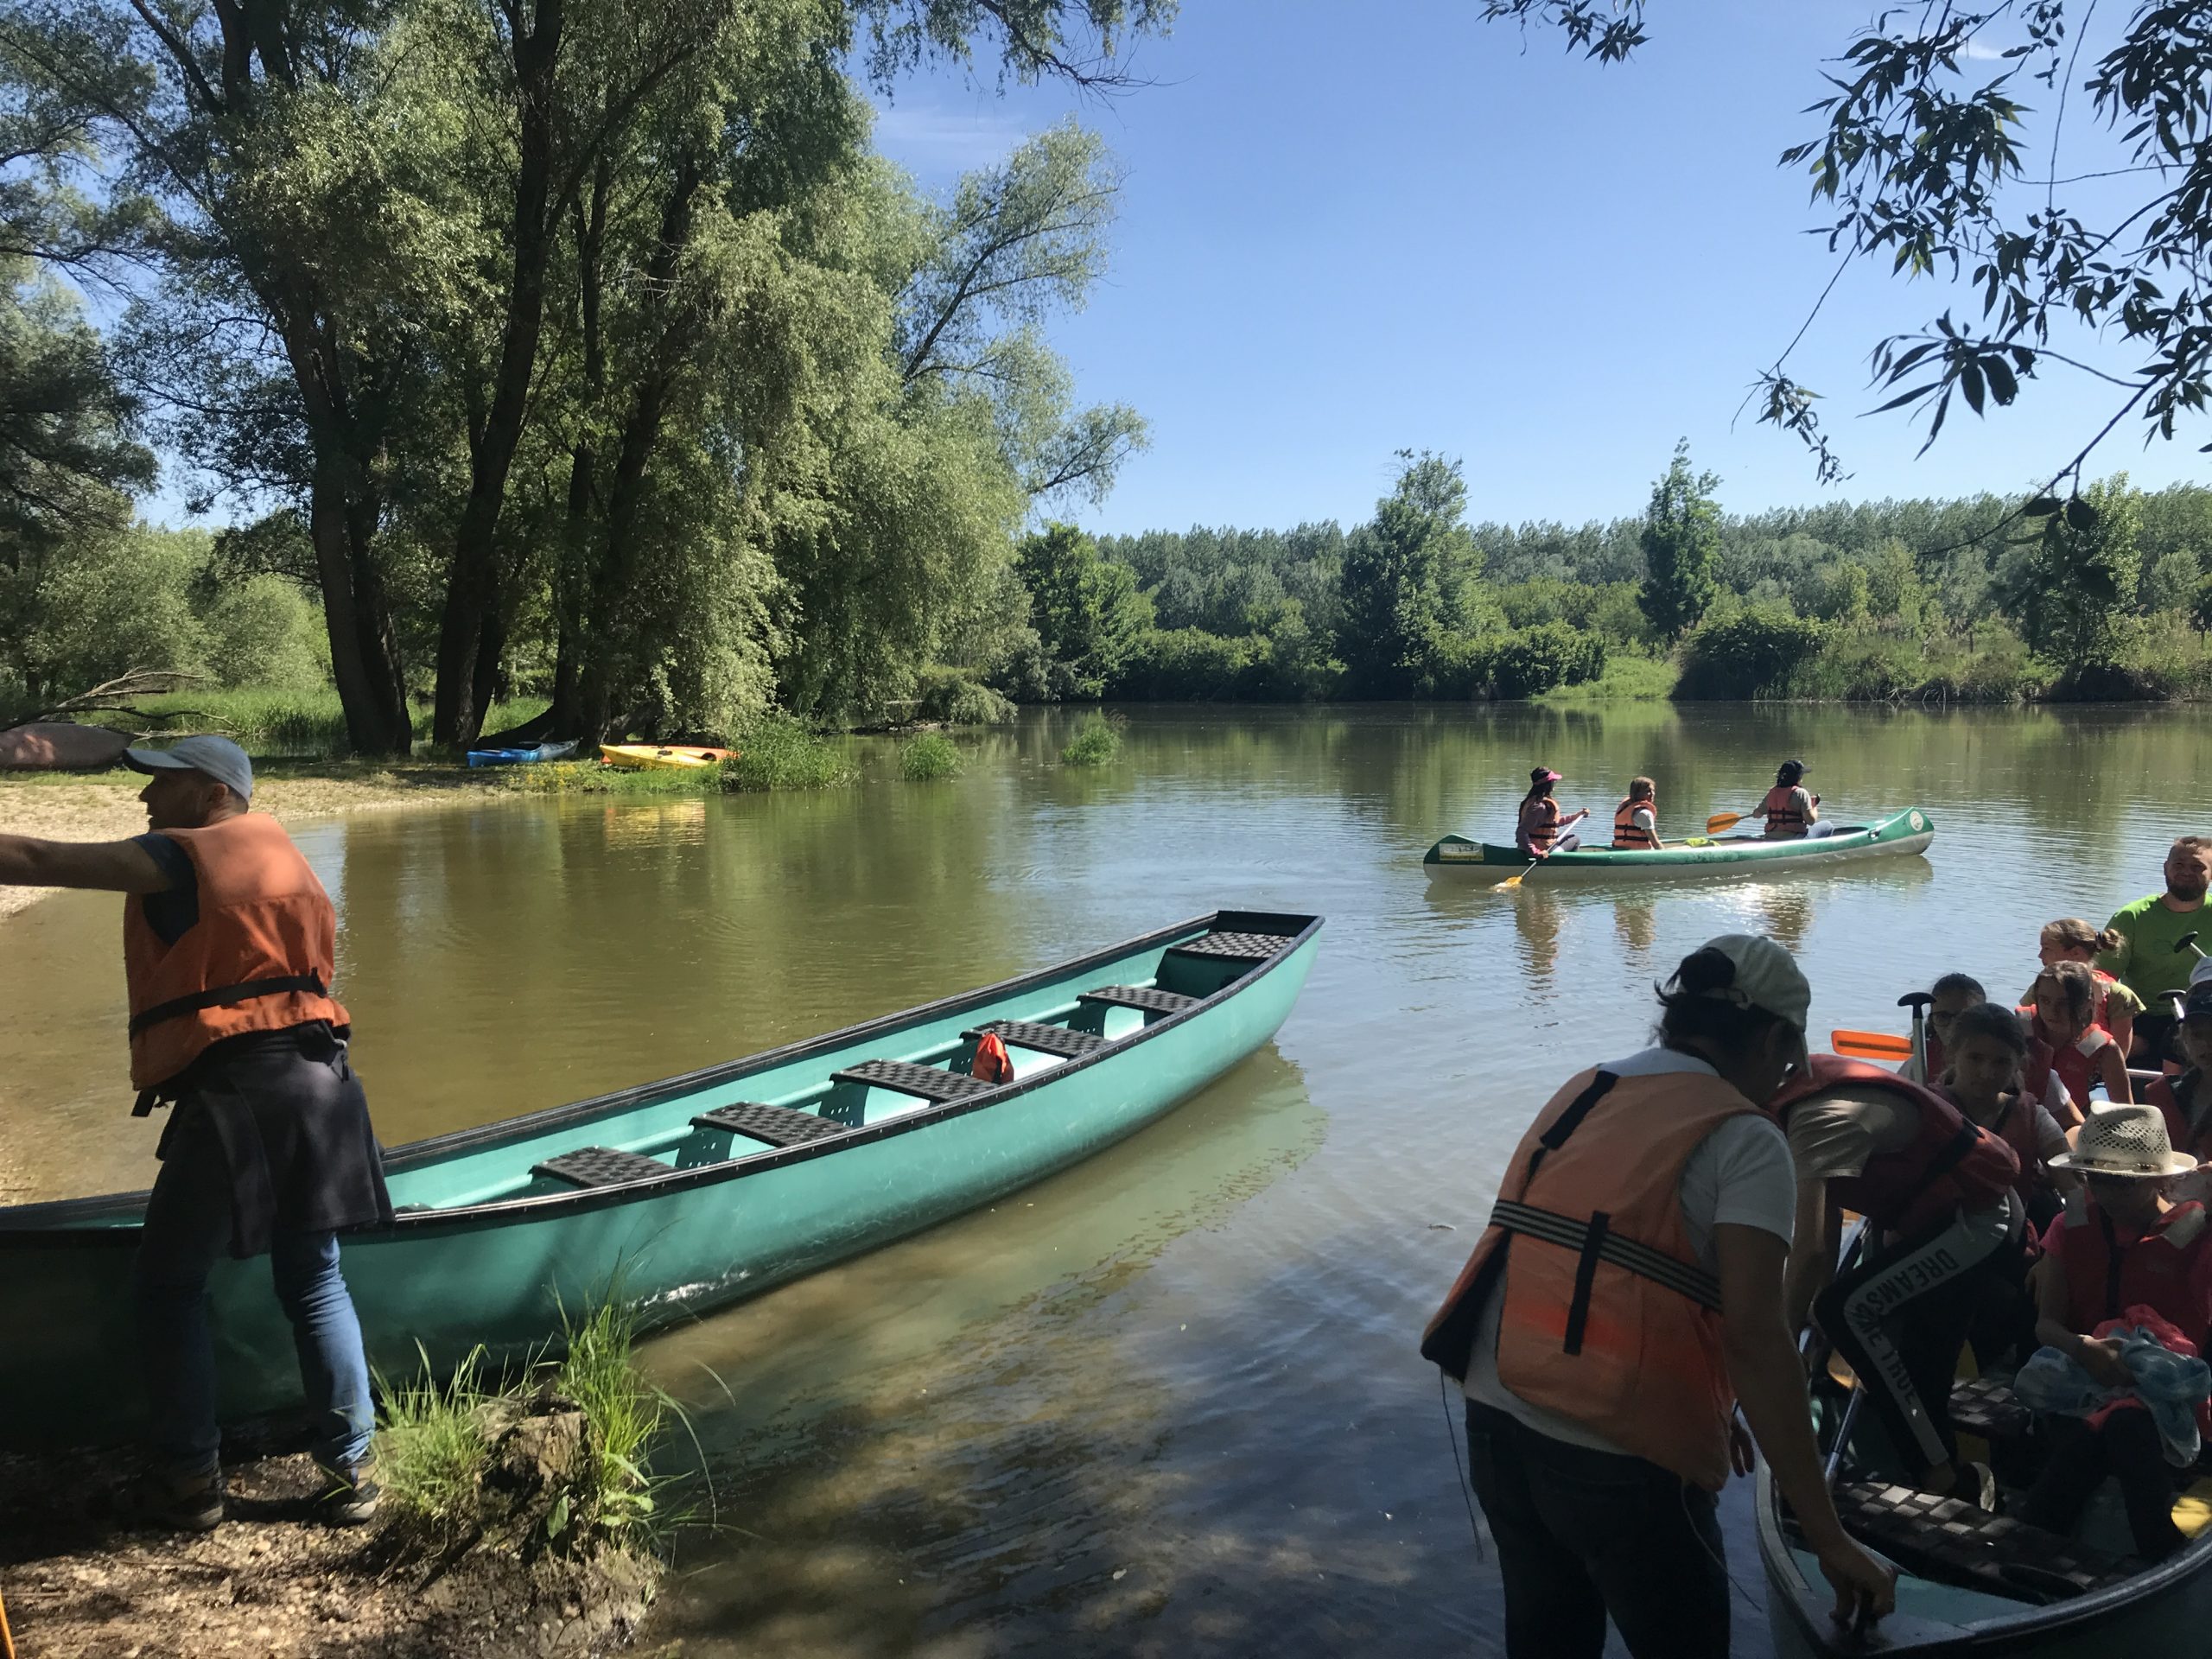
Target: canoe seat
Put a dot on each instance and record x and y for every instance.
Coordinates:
(780, 1125)
(1139, 996)
(930, 1081)
(1045, 1039)
(1987, 1406)
(602, 1167)
(1238, 947)
(1942, 1539)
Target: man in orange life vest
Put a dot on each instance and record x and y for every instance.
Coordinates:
(1625, 1294)
(228, 942)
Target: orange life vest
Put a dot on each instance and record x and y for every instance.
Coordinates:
(1609, 1320)
(1627, 832)
(992, 1063)
(2075, 1063)
(260, 957)
(1784, 815)
(2105, 1277)
(1951, 1164)
(1540, 830)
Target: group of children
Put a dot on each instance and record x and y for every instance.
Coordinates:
(1540, 829)
(2103, 1222)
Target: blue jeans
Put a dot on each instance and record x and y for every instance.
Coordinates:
(187, 1230)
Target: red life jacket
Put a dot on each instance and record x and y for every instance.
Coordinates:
(992, 1063)
(2016, 1128)
(2105, 1277)
(1784, 815)
(1544, 829)
(2077, 1066)
(1951, 1166)
(2179, 1099)
(1627, 834)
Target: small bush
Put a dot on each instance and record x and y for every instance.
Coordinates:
(1751, 653)
(1523, 664)
(628, 1414)
(949, 696)
(780, 753)
(927, 758)
(1095, 743)
(430, 1455)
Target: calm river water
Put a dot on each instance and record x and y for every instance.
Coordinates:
(1168, 1401)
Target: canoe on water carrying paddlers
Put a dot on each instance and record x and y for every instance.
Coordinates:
(1907, 832)
(681, 1194)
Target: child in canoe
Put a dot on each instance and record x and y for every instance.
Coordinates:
(2066, 1041)
(1952, 995)
(1988, 1054)
(2072, 939)
(2183, 1098)
(1541, 829)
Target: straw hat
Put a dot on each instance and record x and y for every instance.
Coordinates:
(2128, 1142)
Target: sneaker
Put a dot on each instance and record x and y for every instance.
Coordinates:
(174, 1503)
(346, 1500)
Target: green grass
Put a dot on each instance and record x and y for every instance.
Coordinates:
(436, 1443)
(1095, 743)
(596, 777)
(780, 753)
(1629, 678)
(927, 758)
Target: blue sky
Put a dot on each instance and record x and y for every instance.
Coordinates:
(1350, 229)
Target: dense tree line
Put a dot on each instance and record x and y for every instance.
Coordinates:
(577, 344)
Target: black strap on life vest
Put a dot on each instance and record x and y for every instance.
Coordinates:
(223, 995)
(1569, 1120)
(1593, 1242)
(2115, 1260)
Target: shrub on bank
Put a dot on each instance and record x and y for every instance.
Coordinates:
(927, 758)
(1524, 663)
(1751, 653)
(1095, 743)
(949, 695)
(780, 753)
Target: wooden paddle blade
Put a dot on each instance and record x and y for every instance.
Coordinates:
(1720, 821)
(1871, 1045)
(1509, 883)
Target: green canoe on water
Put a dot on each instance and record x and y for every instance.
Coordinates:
(686, 1193)
(1909, 831)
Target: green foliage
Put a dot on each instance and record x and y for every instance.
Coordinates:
(930, 756)
(2073, 592)
(628, 1416)
(1404, 574)
(1682, 545)
(1752, 653)
(949, 696)
(263, 631)
(1191, 665)
(1523, 664)
(1087, 612)
(780, 753)
(1095, 743)
(431, 1452)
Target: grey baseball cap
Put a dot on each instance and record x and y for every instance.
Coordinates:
(211, 757)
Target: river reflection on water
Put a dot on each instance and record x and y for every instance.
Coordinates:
(1166, 1401)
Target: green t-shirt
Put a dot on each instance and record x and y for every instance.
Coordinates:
(2147, 961)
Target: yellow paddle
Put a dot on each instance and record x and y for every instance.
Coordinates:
(7, 1641)
(1721, 822)
(1513, 882)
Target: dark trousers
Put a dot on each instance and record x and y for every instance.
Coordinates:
(1581, 1535)
(2126, 1444)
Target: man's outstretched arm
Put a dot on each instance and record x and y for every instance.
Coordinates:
(111, 866)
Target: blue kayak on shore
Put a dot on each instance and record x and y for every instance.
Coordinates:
(522, 757)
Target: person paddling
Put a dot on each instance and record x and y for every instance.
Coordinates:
(228, 951)
(1625, 1296)
(1635, 823)
(1541, 829)
(1790, 809)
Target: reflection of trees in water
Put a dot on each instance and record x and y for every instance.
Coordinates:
(1536, 920)
(1637, 920)
(1787, 911)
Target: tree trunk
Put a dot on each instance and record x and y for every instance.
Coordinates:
(474, 589)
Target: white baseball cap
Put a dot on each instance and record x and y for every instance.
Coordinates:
(1767, 977)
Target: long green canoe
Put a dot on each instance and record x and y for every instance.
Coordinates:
(1909, 831)
(686, 1193)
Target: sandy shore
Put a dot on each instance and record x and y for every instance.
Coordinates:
(104, 807)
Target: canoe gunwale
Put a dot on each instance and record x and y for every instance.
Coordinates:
(1790, 1596)
(67, 1222)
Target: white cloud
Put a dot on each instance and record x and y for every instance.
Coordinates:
(939, 140)
(1982, 52)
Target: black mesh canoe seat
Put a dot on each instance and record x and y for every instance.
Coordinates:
(780, 1125)
(1942, 1539)
(1045, 1039)
(1235, 947)
(931, 1081)
(1138, 997)
(1987, 1407)
(601, 1167)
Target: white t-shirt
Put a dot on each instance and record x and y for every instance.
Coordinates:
(1741, 1174)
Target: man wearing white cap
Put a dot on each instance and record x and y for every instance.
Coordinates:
(1625, 1296)
(228, 948)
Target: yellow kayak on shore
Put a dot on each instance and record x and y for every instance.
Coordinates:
(665, 758)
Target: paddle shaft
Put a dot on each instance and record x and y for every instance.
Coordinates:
(7, 1640)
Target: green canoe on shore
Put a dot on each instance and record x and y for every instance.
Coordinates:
(1909, 831)
(683, 1194)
